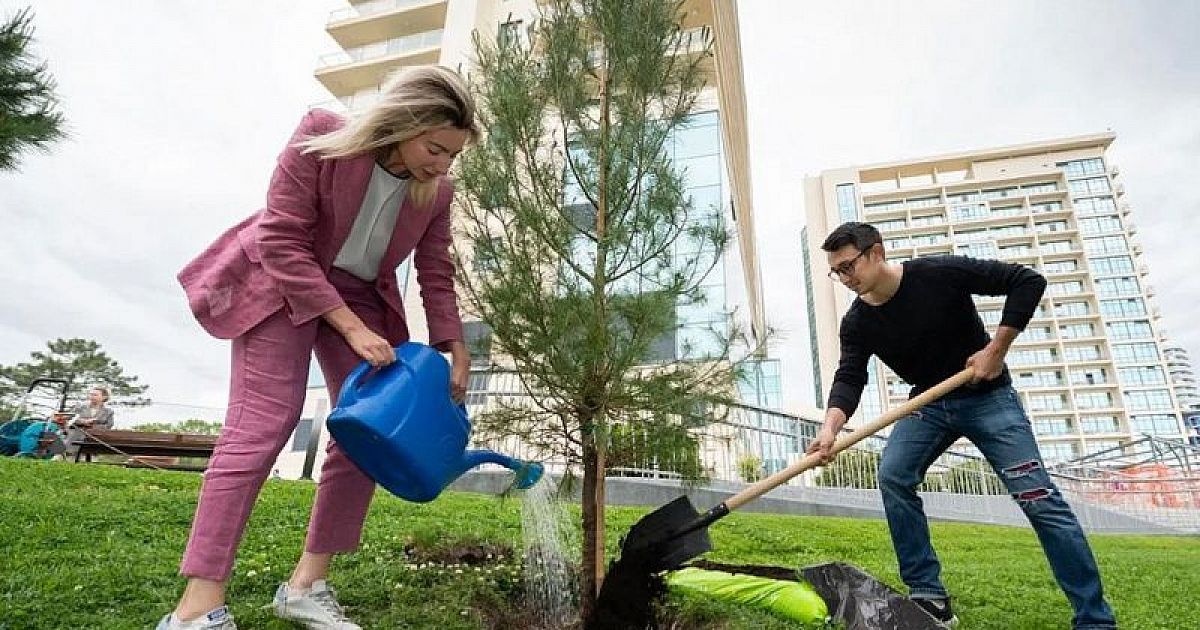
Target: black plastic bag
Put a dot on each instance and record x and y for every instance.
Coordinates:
(863, 602)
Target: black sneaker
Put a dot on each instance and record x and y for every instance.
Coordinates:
(939, 609)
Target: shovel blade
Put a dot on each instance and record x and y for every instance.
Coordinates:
(655, 542)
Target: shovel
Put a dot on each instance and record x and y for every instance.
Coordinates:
(676, 532)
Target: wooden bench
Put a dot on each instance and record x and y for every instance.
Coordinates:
(144, 443)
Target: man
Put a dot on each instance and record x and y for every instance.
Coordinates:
(919, 319)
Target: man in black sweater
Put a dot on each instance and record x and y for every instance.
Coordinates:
(919, 319)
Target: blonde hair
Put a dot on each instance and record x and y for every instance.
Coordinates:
(412, 101)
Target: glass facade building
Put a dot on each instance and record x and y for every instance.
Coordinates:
(1090, 365)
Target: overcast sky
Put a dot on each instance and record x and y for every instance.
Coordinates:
(177, 109)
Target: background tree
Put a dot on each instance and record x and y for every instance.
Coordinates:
(82, 362)
(191, 425)
(578, 226)
(28, 108)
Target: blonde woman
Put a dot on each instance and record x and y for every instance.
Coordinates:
(314, 271)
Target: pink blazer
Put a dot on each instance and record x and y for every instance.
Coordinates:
(280, 256)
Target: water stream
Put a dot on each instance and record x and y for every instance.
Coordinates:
(551, 546)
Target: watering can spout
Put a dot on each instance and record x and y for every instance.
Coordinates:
(528, 473)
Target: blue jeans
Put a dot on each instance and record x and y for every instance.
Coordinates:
(996, 423)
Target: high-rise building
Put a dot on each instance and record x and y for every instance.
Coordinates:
(378, 37)
(1183, 377)
(1091, 365)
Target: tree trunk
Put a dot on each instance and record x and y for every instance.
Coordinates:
(592, 569)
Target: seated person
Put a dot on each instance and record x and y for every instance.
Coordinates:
(94, 414)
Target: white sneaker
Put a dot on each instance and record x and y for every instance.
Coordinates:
(316, 610)
(215, 619)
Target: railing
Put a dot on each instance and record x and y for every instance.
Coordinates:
(374, 7)
(957, 485)
(396, 46)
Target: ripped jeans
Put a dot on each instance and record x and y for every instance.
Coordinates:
(996, 423)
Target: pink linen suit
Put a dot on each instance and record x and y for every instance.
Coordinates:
(265, 283)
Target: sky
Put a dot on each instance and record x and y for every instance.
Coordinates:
(177, 109)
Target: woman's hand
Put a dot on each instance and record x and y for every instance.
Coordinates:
(374, 349)
(460, 370)
(365, 342)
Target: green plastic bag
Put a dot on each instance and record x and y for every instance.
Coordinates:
(792, 600)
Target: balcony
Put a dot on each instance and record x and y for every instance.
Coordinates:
(377, 20)
(355, 69)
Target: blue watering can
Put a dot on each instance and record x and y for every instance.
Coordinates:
(401, 428)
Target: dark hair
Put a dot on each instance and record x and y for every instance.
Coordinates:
(861, 235)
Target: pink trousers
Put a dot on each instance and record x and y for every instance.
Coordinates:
(267, 386)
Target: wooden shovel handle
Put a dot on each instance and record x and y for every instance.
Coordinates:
(854, 437)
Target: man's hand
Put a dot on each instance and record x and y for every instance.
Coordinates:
(822, 445)
(987, 364)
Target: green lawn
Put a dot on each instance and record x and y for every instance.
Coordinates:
(97, 547)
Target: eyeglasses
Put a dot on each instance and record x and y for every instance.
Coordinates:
(847, 268)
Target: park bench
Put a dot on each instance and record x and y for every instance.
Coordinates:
(147, 449)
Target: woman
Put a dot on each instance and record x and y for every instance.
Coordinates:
(94, 414)
(314, 271)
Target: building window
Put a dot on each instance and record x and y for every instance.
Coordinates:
(1038, 188)
(1079, 168)
(1039, 378)
(969, 212)
(478, 337)
(1093, 400)
(1052, 426)
(1156, 424)
(1148, 400)
(1099, 225)
(1072, 309)
(510, 32)
(1105, 245)
(1115, 265)
(1082, 353)
(1089, 376)
(1099, 424)
(878, 206)
(1144, 375)
(1001, 193)
(1089, 186)
(1129, 307)
(1136, 329)
(1055, 247)
(1108, 287)
(1073, 287)
(1058, 452)
(1048, 402)
(1095, 205)
(1033, 357)
(1135, 353)
(1077, 331)
(847, 202)
(923, 202)
(1061, 267)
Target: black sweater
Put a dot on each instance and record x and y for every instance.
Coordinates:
(929, 328)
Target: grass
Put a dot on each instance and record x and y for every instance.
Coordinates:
(98, 547)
